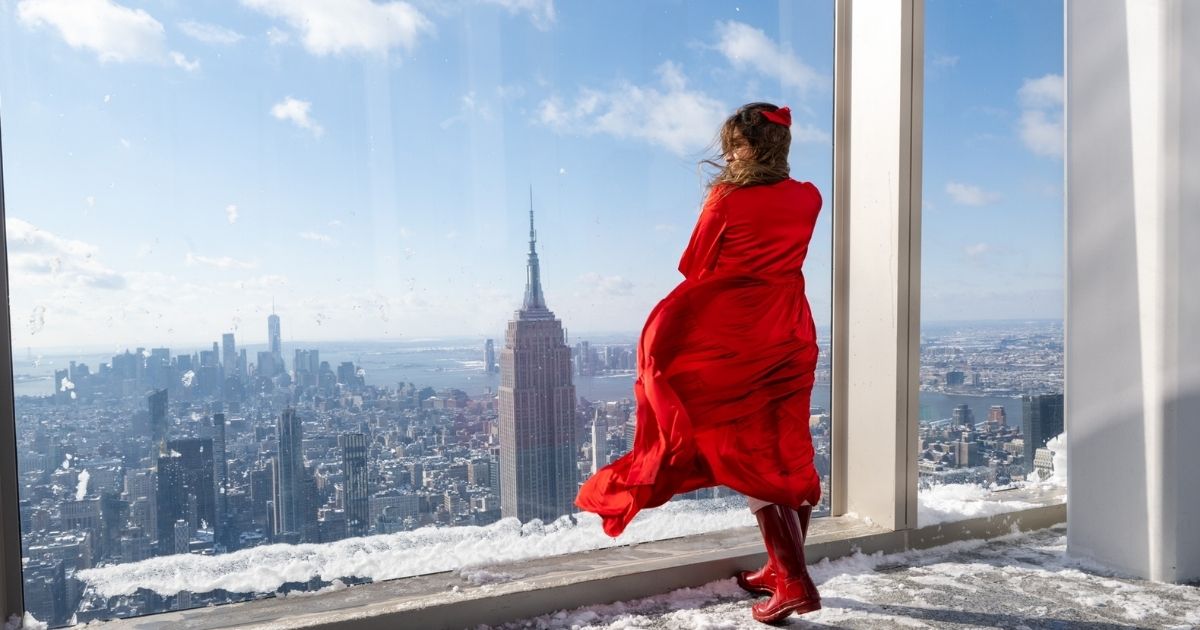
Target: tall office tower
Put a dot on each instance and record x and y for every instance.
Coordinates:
(630, 430)
(139, 367)
(275, 341)
(997, 417)
(599, 441)
(158, 368)
(141, 491)
(158, 419)
(963, 416)
(185, 490)
(229, 355)
(265, 367)
(62, 385)
(306, 366)
(262, 487)
(583, 359)
(967, 453)
(289, 475)
(355, 490)
(1043, 419)
(220, 471)
(489, 357)
(537, 408)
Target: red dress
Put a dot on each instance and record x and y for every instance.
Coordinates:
(725, 364)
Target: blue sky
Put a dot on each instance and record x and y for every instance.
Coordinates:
(171, 168)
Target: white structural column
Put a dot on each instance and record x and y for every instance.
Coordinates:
(877, 235)
(1133, 290)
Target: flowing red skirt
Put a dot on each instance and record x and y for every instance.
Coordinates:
(725, 375)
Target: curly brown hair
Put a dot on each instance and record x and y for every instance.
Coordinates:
(767, 144)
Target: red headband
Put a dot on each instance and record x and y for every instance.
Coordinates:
(782, 116)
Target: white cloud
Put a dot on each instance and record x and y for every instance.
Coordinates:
(349, 25)
(210, 33)
(1042, 92)
(114, 32)
(190, 65)
(670, 115)
(541, 12)
(608, 285)
(222, 262)
(336, 223)
(1041, 122)
(231, 213)
(748, 47)
(316, 236)
(968, 195)
(297, 111)
(1042, 132)
(37, 256)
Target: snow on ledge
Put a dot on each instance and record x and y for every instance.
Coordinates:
(389, 556)
(946, 503)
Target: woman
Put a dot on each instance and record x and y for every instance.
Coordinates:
(726, 361)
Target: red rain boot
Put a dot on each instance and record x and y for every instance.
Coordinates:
(794, 589)
(762, 581)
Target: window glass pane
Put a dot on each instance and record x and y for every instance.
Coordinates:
(992, 256)
(268, 264)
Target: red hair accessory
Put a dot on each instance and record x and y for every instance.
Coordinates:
(783, 116)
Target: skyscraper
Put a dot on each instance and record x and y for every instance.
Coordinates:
(185, 491)
(599, 441)
(997, 417)
(289, 475)
(489, 357)
(220, 471)
(355, 490)
(963, 416)
(276, 342)
(1043, 419)
(158, 419)
(537, 408)
(229, 356)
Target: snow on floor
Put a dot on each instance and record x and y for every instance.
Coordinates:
(427, 550)
(1020, 581)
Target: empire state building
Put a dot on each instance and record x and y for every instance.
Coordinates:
(537, 408)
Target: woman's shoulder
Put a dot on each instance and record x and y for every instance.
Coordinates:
(807, 189)
(724, 196)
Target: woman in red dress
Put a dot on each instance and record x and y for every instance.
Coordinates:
(726, 362)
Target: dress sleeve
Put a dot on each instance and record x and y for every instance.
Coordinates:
(701, 254)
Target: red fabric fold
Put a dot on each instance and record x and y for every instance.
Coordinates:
(725, 364)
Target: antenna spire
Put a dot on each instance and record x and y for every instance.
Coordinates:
(534, 301)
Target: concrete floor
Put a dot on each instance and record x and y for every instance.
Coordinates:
(1020, 581)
